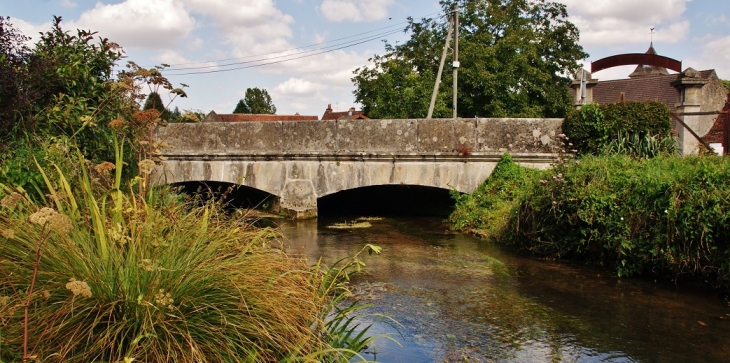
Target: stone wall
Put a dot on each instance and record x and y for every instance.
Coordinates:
(363, 136)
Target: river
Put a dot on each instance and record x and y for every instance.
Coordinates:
(457, 298)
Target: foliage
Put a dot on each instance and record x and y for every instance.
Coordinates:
(256, 101)
(486, 211)
(638, 146)
(664, 216)
(154, 101)
(13, 56)
(99, 274)
(69, 98)
(594, 127)
(726, 85)
(515, 57)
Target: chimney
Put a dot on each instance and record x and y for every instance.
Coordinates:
(352, 110)
(329, 108)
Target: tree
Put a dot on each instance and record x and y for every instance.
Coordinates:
(154, 101)
(516, 57)
(256, 101)
(13, 56)
(726, 84)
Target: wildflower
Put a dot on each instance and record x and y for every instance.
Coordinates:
(148, 265)
(78, 287)
(145, 166)
(543, 182)
(163, 298)
(11, 200)
(622, 218)
(7, 233)
(118, 235)
(105, 166)
(561, 136)
(555, 203)
(87, 121)
(60, 223)
(117, 124)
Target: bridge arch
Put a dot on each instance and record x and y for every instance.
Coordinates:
(298, 184)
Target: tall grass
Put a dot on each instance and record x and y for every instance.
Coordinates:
(101, 274)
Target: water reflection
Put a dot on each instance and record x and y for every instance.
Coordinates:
(458, 298)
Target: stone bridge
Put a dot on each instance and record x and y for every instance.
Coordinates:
(300, 161)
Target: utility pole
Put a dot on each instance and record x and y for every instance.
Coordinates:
(456, 51)
(438, 76)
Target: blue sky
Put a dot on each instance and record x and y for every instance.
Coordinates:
(209, 33)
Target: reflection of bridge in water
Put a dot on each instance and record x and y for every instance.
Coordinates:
(300, 161)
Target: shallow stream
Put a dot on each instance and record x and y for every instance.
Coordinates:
(457, 298)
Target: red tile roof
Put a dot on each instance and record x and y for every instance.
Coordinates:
(717, 132)
(243, 117)
(239, 117)
(329, 115)
(647, 88)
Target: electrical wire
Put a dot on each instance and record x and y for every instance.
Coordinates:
(318, 52)
(302, 47)
(263, 59)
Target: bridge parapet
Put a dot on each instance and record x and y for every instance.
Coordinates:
(300, 161)
(379, 136)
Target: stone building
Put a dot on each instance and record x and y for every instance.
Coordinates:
(694, 96)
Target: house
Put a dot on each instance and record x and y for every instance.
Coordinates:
(696, 97)
(243, 117)
(350, 114)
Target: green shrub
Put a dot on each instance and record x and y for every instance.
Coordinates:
(664, 216)
(486, 211)
(595, 126)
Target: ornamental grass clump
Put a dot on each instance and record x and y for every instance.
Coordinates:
(98, 274)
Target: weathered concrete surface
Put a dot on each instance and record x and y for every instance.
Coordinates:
(305, 160)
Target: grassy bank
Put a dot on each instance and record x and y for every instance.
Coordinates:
(665, 216)
(100, 275)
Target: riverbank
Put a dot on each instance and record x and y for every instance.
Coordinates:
(666, 217)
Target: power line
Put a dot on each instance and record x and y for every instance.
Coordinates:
(302, 47)
(283, 55)
(289, 57)
(281, 61)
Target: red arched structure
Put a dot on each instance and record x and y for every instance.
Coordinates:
(636, 58)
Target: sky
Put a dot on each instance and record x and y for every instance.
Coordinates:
(303, 52)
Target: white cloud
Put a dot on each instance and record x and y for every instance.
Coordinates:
(139, 23)
(355, 10)
(30, 30)
(614, 22)
(711, 58)
(68, 4)
(297, 87)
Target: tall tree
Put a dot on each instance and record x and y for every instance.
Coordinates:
(516, 57)
(154, 101)
(256, 101)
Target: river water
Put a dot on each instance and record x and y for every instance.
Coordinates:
(457, 298)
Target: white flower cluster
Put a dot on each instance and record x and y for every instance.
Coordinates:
(78, 287)
(55, 221)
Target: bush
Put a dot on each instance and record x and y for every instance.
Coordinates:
(595, 126)
(663, 216)
(486, 211)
